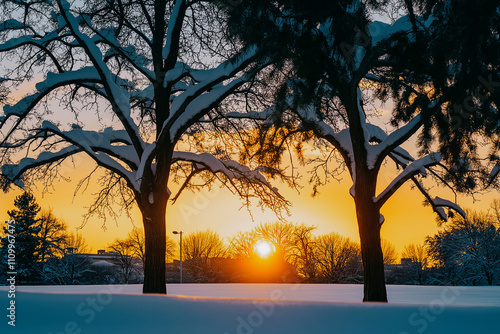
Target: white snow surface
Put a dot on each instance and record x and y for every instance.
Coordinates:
(252, 308)
(389, 140)
(417, 166)
(144, 159)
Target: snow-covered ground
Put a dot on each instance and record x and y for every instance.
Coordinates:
(251, 308)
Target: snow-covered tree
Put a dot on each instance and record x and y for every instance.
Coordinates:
(22, 231)
(336, 63)
(467, 250)
(123, 82)
(71, 269)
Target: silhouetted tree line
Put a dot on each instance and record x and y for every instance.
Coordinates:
(45, 252)
(466, 251)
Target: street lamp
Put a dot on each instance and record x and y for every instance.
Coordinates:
(180, 233)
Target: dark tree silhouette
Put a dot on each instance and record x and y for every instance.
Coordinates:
(198, 250)
(140, 70)
(338, 258)
(53, 235)
(22, 232)
(333, 59)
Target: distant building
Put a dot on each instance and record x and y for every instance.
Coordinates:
(408, 272)
(107, 267)
(112, 258)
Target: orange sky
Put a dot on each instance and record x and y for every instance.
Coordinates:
(407, 220)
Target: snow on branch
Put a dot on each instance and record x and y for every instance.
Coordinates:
(440, 203)
(248, 184)
(494, 173)
(190, 105)
(92, 141)
(340, 140)
(381, 31)
(239, 179)
(207, 80)
(118, 97)
(17, 42)
(11, 24)
(15, 172)
(416, 167)
(377, 153)
(129, 53)
(375, 133)
(174, 23)
(101, 146)
(362, 116)
(52, 82)
(177, 73)
(203, 103)
(437, 203)
(230, 168)
(146, 158)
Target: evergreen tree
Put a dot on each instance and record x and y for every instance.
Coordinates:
(26, 233)
(335, 62)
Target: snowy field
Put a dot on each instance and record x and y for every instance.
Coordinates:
(251, 308)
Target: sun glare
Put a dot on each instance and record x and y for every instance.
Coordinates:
(263, 249)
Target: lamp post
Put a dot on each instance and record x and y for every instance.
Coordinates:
(180, 233)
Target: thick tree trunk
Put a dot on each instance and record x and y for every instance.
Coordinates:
(368, 214)
(371, 250)
(154, 253)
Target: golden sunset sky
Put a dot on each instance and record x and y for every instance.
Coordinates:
(407, 220)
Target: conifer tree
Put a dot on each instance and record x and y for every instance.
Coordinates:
(336, 64)
(26, 228)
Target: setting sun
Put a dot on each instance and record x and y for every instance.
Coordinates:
(263, 248)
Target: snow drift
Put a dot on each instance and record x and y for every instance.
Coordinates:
(275, 308)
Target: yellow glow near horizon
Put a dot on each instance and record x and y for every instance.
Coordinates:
(406, 219)
(263, 249)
